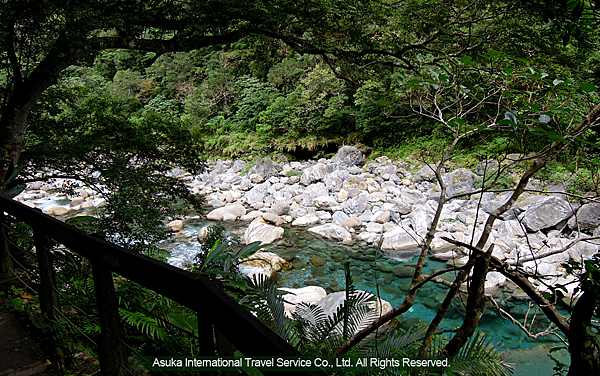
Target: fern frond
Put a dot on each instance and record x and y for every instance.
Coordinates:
(395, 343)
(480, 356)
(145, 324)
(269, 307)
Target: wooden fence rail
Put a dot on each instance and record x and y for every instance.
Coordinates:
(247, 334)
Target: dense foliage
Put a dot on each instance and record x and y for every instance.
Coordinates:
(117, 95)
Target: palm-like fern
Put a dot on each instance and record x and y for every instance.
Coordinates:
(314, 331)
(480, 356)
(326, 332)
(267, 302)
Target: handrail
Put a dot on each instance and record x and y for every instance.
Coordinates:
(245, 331)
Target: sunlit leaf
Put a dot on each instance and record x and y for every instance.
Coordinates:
(545, 118)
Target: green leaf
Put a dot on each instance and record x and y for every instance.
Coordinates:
(15, 191)
(383, 102)
(493, 53)
(556, 137)
(466, 60)
(587, 87)
(508, 70)
(215, 253)
(520, 59)
(531, 107)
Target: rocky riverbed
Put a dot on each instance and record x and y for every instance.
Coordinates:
(355, 206)
(382, 203)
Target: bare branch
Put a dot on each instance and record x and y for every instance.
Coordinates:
(539, 256)
(550, 330)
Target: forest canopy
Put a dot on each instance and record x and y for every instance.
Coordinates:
(247, 76)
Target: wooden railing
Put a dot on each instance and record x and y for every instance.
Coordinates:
(214, 307)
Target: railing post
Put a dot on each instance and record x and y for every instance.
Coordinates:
(48, 296)
(111, 349)
(206, 338)
(224, 348)
(6, 264)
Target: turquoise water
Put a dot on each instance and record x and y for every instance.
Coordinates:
(372, 271)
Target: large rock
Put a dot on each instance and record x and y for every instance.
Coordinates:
(349, 155)
(238, 165)
(426, 173)
(263, 232)
(265, 168)
(333, 232)
(493, 281)
(381, 216)
(412, 196)
(269, 261)
(459, 181)
(280, 208)
(226, 212)
(308, 295)
(313, 191)
(339, 217)
(325, 202)
(315, 173)
(356, 205)
(58, 210)
(351, 222)
(587, 218)
(421, 218)
(257, 193)
(306, 220)
(546, 213)
(511, 228)
(400, 239)
(176, 225)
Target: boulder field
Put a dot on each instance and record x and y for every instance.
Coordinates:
(391, 204)
(382, 203)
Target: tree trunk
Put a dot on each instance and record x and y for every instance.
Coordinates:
(475, 303)
(25, 93)
(584, 344)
